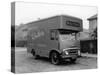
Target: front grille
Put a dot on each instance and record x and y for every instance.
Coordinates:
(73, 51)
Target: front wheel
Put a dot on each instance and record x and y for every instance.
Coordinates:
(73, 60)
(55, 58)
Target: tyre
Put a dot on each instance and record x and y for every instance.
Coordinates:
(34, 54)
(73, 60)
(55, 58)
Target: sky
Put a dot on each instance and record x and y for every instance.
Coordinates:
(26, 12)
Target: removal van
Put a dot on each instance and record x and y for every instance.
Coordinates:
(55, 38)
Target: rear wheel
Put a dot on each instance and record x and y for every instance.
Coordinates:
(34, 54)
(55, 58)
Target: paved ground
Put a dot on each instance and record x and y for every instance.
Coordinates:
(26, 63)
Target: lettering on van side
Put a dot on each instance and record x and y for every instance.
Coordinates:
(37, 34)
(71, 23)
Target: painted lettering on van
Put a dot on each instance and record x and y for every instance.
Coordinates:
(71, 23)
(37, 34)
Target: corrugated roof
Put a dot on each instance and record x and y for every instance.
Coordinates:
(93, 17)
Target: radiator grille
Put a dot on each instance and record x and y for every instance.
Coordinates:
(73, 51)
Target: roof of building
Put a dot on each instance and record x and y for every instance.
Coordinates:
(93, 17)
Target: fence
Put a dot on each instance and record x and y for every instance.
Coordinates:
(89, 46)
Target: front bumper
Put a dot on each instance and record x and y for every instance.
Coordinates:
(69, 56)
(71, 53)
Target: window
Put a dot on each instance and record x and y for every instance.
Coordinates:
(53, 35)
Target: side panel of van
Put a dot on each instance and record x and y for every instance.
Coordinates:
(41, 41)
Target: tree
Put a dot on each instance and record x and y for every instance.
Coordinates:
(94, 34)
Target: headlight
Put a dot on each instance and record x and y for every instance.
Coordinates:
(66, 52)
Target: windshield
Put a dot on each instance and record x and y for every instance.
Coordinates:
(67, 36)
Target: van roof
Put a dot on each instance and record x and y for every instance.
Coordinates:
(53, 17)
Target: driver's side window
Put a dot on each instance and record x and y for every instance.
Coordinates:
(53, 35)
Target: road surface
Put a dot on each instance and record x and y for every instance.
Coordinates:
(25, 63)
